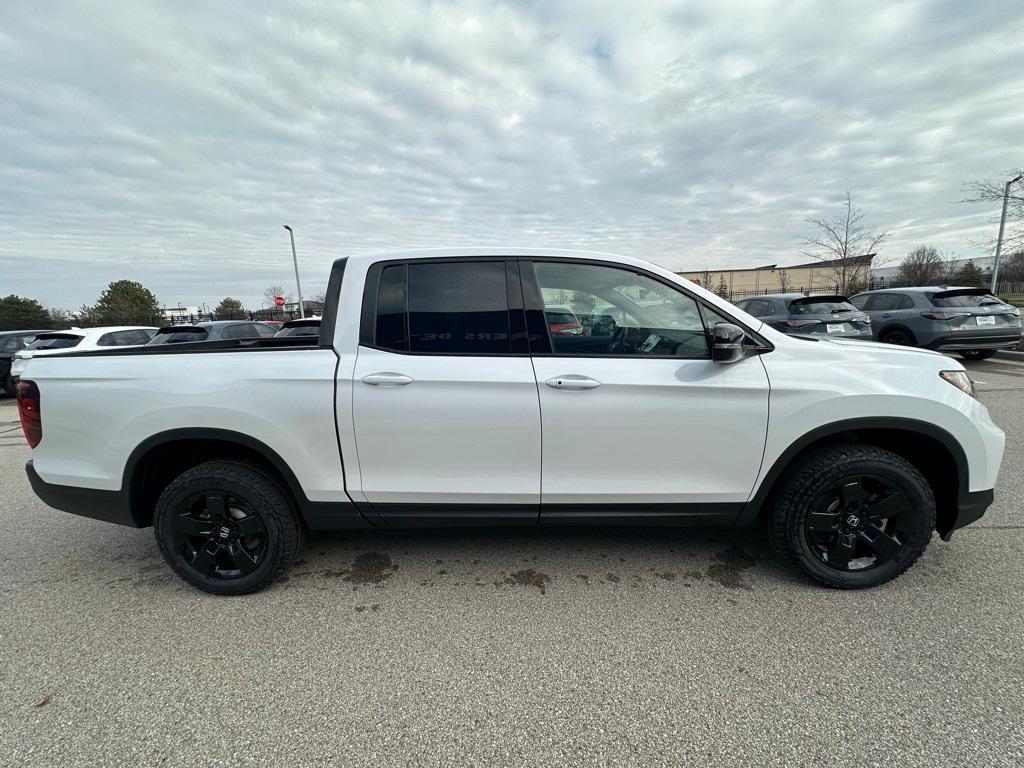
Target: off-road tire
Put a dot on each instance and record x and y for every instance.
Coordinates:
(806, 484)
(251, 487)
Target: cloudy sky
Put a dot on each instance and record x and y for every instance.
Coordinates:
(167, 142)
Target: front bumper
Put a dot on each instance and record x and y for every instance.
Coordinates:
(108, 506)
(969, 509)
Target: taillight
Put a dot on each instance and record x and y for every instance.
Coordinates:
(797, 323)
(944, 315)
(30, 413)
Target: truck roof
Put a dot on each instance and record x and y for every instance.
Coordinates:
(441, 253)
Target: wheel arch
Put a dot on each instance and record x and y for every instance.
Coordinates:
(161, 457)
(933, 450)
(896, 327)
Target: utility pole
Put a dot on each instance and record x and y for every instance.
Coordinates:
(295, 260)
(1002, 226)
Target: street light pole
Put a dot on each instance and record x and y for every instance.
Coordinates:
(295, 259)
(1002, 226)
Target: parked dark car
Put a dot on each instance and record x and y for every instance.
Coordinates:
(307, 326)
(11, 342)
(215, 330)
(969, 321)
(800, 314)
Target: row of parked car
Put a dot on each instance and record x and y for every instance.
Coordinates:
(18, 347)
(969, 321)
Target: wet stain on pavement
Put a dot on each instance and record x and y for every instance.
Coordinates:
(728, 571)
(529, 577)
(367, 568)
(371, 568)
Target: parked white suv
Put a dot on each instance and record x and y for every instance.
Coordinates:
(436, 394)
(80, 340)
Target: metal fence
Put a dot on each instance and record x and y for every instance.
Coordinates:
(159, 321)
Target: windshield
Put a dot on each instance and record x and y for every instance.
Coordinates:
(560, 317)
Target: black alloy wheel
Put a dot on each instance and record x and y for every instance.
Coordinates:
(853, 515)
(227, 527)
(219, 535)
(898, 337)
(854, 524)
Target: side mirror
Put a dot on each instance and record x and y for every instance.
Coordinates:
(727, 343)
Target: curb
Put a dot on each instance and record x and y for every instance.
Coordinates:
(1011, 354)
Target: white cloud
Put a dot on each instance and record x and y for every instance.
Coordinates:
(168, 142)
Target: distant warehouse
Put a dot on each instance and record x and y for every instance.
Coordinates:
(835, 276)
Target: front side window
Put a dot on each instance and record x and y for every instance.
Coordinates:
(622, 313)
(447, 308)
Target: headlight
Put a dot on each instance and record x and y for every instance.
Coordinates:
(960, 380)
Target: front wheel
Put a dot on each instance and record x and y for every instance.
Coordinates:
(977, 354)
(8, 385)
(853, 516)
(227, 528)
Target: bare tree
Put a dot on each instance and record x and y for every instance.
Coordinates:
(841, 241)
(785, 280)
(949, 273)
(988, 191)
(1012, 268)
(705, 278)
(922, 266)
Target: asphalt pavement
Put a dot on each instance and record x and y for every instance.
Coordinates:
(617, 647)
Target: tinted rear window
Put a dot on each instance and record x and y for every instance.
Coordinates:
(458, 308)
(56, 342)
(825, 307)
(177, 337)
(953, 299)
(444, 309)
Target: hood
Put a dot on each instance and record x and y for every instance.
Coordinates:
(879, 347)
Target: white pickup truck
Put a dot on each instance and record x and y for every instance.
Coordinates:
(437, 394)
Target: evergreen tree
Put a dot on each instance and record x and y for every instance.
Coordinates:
(18, 314)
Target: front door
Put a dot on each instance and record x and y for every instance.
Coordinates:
(636, 418)
(445, 410)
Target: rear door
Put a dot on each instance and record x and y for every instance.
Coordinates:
(637, 420)
(445, 409)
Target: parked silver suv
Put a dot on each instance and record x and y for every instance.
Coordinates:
(801, 315)
(970, 321)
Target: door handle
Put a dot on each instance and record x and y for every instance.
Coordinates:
(387, 379)
(572, 381)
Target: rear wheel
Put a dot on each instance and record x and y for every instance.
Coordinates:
(8, 384)
(853, 516)
(897, 336)
(977, 354)
(227, 528)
